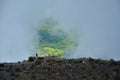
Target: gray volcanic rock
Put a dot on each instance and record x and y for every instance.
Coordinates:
(54, 68)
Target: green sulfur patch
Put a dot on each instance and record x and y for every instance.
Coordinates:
(53, 41)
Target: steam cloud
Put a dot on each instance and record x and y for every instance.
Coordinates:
(96, 22)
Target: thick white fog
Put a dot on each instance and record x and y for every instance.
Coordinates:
(96, 21)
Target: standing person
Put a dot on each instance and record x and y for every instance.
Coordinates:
(36, 55)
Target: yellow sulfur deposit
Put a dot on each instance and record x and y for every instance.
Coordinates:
(48, 51)
(53, 41)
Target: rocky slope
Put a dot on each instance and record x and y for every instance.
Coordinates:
(53, 68)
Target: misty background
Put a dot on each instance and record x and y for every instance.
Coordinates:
(96, 21)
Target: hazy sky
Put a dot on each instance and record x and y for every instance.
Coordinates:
(97, 20)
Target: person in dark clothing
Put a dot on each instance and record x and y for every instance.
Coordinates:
(36, 55)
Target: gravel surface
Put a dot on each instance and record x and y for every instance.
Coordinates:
(53, 68)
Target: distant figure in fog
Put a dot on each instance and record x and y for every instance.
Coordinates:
(36, 55)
